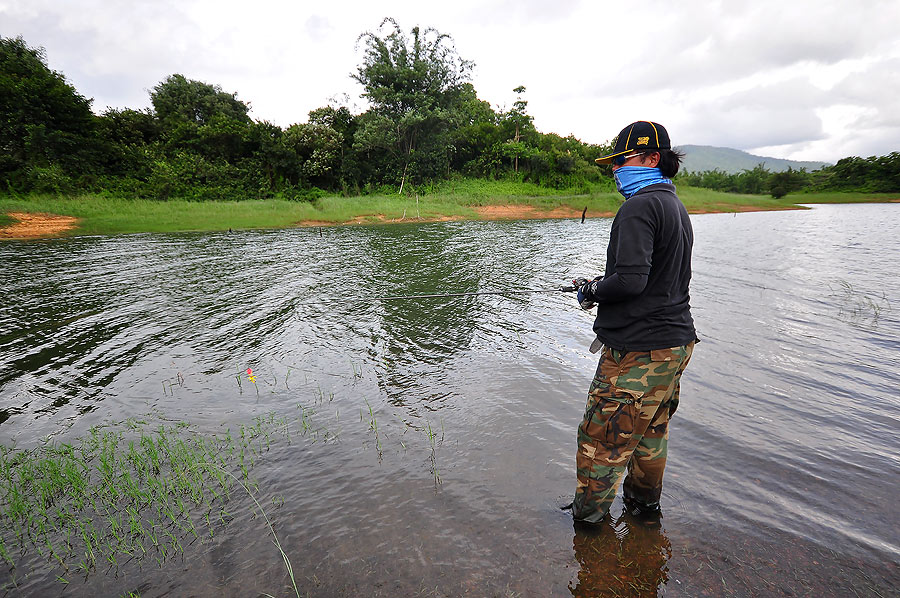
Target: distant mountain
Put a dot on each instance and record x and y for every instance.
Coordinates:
(700, 158)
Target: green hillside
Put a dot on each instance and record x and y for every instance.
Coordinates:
(700, 158)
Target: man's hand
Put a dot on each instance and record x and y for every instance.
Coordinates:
(581, 284)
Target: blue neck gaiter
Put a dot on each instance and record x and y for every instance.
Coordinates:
(631, 179)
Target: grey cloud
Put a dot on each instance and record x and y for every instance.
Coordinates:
(110, 51)
(875, 89)
(720, 45)
(710, 45)
(879, 119)
(865, 143)
(772, 115)
(877, 142)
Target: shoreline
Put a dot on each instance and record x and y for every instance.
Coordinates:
(29, 226)
(46, 224)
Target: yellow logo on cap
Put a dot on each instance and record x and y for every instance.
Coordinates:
(643, 141)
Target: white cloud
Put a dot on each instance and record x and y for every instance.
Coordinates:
(318, 28)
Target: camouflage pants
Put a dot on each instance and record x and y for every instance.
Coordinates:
(626, 426)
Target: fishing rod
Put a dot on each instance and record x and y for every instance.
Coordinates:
(563, 289)
(511, 292)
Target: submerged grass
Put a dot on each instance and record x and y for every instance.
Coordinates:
(433, 441)
(858, 307)
(132, 492)
(124, 493)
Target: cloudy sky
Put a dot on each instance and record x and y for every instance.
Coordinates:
(799, 79)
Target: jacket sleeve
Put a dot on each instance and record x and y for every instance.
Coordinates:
(633, 254)
(617, 287)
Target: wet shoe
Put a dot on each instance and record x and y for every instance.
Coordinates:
(642, 511)
(589, 528)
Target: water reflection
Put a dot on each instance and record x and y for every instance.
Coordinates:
(621, 557)
(418, 333)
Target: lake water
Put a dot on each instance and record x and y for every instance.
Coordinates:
(784, 456)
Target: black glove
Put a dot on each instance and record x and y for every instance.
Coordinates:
(581, 284)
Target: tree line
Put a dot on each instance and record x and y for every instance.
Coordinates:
(424, 123)
(876, 174)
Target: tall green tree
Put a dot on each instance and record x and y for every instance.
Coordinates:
(274, 164)
(476, 131)
(47, 130)
(201, 117)
(415, 86)
(125, 136)
(318, 151)
(179, 99)
(520, 118)
(341, 120)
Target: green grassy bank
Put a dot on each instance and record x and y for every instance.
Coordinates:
(451, 200)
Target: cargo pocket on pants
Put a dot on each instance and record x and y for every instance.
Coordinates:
(610, 415)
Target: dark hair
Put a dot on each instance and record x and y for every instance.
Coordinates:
(669, 162)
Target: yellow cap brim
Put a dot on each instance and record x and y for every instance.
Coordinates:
(608, 159)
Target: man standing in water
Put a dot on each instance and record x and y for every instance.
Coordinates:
(644, 329)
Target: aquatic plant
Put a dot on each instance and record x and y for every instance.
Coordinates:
(277, 542)
(373, 425)
(126, 492)
(856, 306)
(357, 373)
(138, 492)
(432, 441)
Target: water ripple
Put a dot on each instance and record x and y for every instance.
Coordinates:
(788, 414)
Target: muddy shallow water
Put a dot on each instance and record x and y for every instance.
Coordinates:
(446, 427)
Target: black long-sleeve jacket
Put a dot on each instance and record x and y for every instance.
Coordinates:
(644, 297)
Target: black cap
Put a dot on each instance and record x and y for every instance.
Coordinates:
(642, 136)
